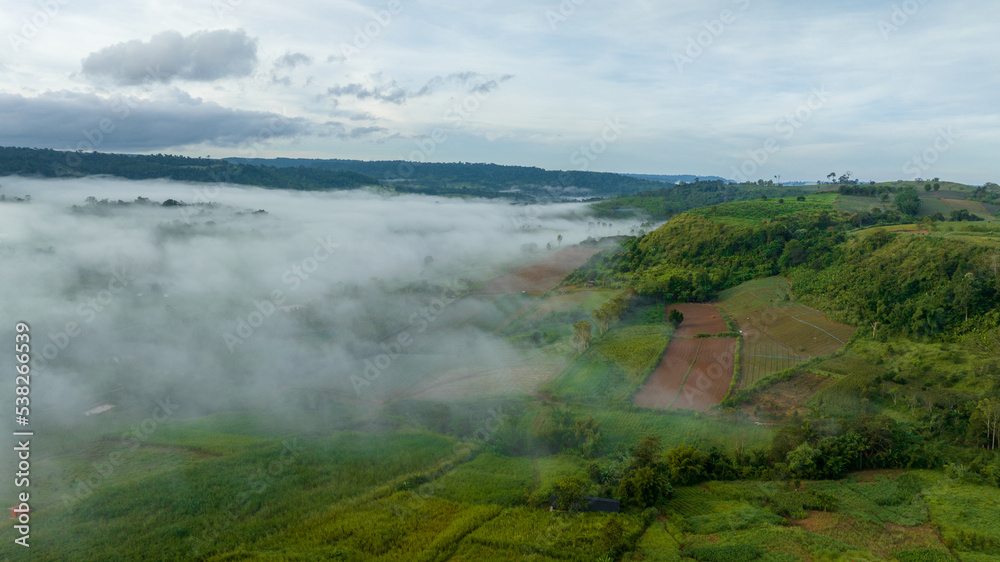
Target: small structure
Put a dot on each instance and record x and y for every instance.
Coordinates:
(590, 283)
(15, 512)
(600, 505)
(603, 505)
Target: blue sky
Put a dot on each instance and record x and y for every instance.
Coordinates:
(753, 88)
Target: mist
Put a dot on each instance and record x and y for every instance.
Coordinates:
(245, 298)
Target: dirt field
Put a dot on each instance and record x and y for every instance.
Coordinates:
(708, 382)
(694, 375)
(698, 319)
(543, 275)
(787, 397)
(665, 383)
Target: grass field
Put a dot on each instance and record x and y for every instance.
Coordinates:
(616, 364)
(744, 212)
(851, 204)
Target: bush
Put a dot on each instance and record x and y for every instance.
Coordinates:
(675, 317)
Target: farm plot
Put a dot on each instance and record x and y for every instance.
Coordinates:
(543, 275)
(777, 333)
(694, 375)
(788, 397)
(698, 319)
(708, 382)
(974, 207)
(856, 204)
(666, 381)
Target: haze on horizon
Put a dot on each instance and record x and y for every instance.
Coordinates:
(761, 88)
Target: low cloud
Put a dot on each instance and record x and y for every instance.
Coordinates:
(202, 56)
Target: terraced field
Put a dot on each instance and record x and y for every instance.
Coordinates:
(777, 332)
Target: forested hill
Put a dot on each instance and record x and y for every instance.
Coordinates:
(54, 163)
(464, 177)
(911, 283)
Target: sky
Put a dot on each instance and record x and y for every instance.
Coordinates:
(744, 89)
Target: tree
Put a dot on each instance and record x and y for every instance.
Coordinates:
(582, 335)
(675, 317)
(831, 176)
(928, 187)
(685, 464)
(603, 319)
(908, 201)
(986, 419)
(803, 462)
(645, 487)
(568, 493)
(649, 452)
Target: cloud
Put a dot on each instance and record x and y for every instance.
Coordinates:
(70, 120)
(202, 56)
(288, 62)
(291, 60)
(391, 92)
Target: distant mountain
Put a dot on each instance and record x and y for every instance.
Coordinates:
(518, 183)
(464, 178)
(677, 179)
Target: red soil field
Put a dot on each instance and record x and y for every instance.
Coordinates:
(698, 319)
(694, 374)
(708, 382)
(542, 276)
